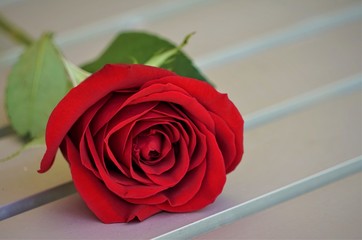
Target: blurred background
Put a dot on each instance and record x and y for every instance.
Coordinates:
(293, 69)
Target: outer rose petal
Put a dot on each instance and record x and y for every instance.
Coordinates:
(79, 99)
(108, 207)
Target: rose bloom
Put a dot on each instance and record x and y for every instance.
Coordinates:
(141, 139)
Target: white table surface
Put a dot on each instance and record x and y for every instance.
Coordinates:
(293, 68)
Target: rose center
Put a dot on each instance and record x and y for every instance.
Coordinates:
(148, 146)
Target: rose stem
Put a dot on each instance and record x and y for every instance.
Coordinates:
(15, 32)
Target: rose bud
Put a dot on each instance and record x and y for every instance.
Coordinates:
(140, 140)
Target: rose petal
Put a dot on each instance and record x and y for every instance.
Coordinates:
(180, 122)
(108, 111)
(151, 200)
(213, 181)
(85, 157)
(77, 131)
(225, 136)
(166, 163)
(187, 188)
(171, 131)
(127, 115)
(178, 171)
(197, 145)
(118, 149)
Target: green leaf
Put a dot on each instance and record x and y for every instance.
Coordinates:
(140, 47)
(35, 85)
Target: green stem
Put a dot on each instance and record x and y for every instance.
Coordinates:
(14, 32)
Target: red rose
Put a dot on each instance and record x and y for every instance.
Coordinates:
(140, 140)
